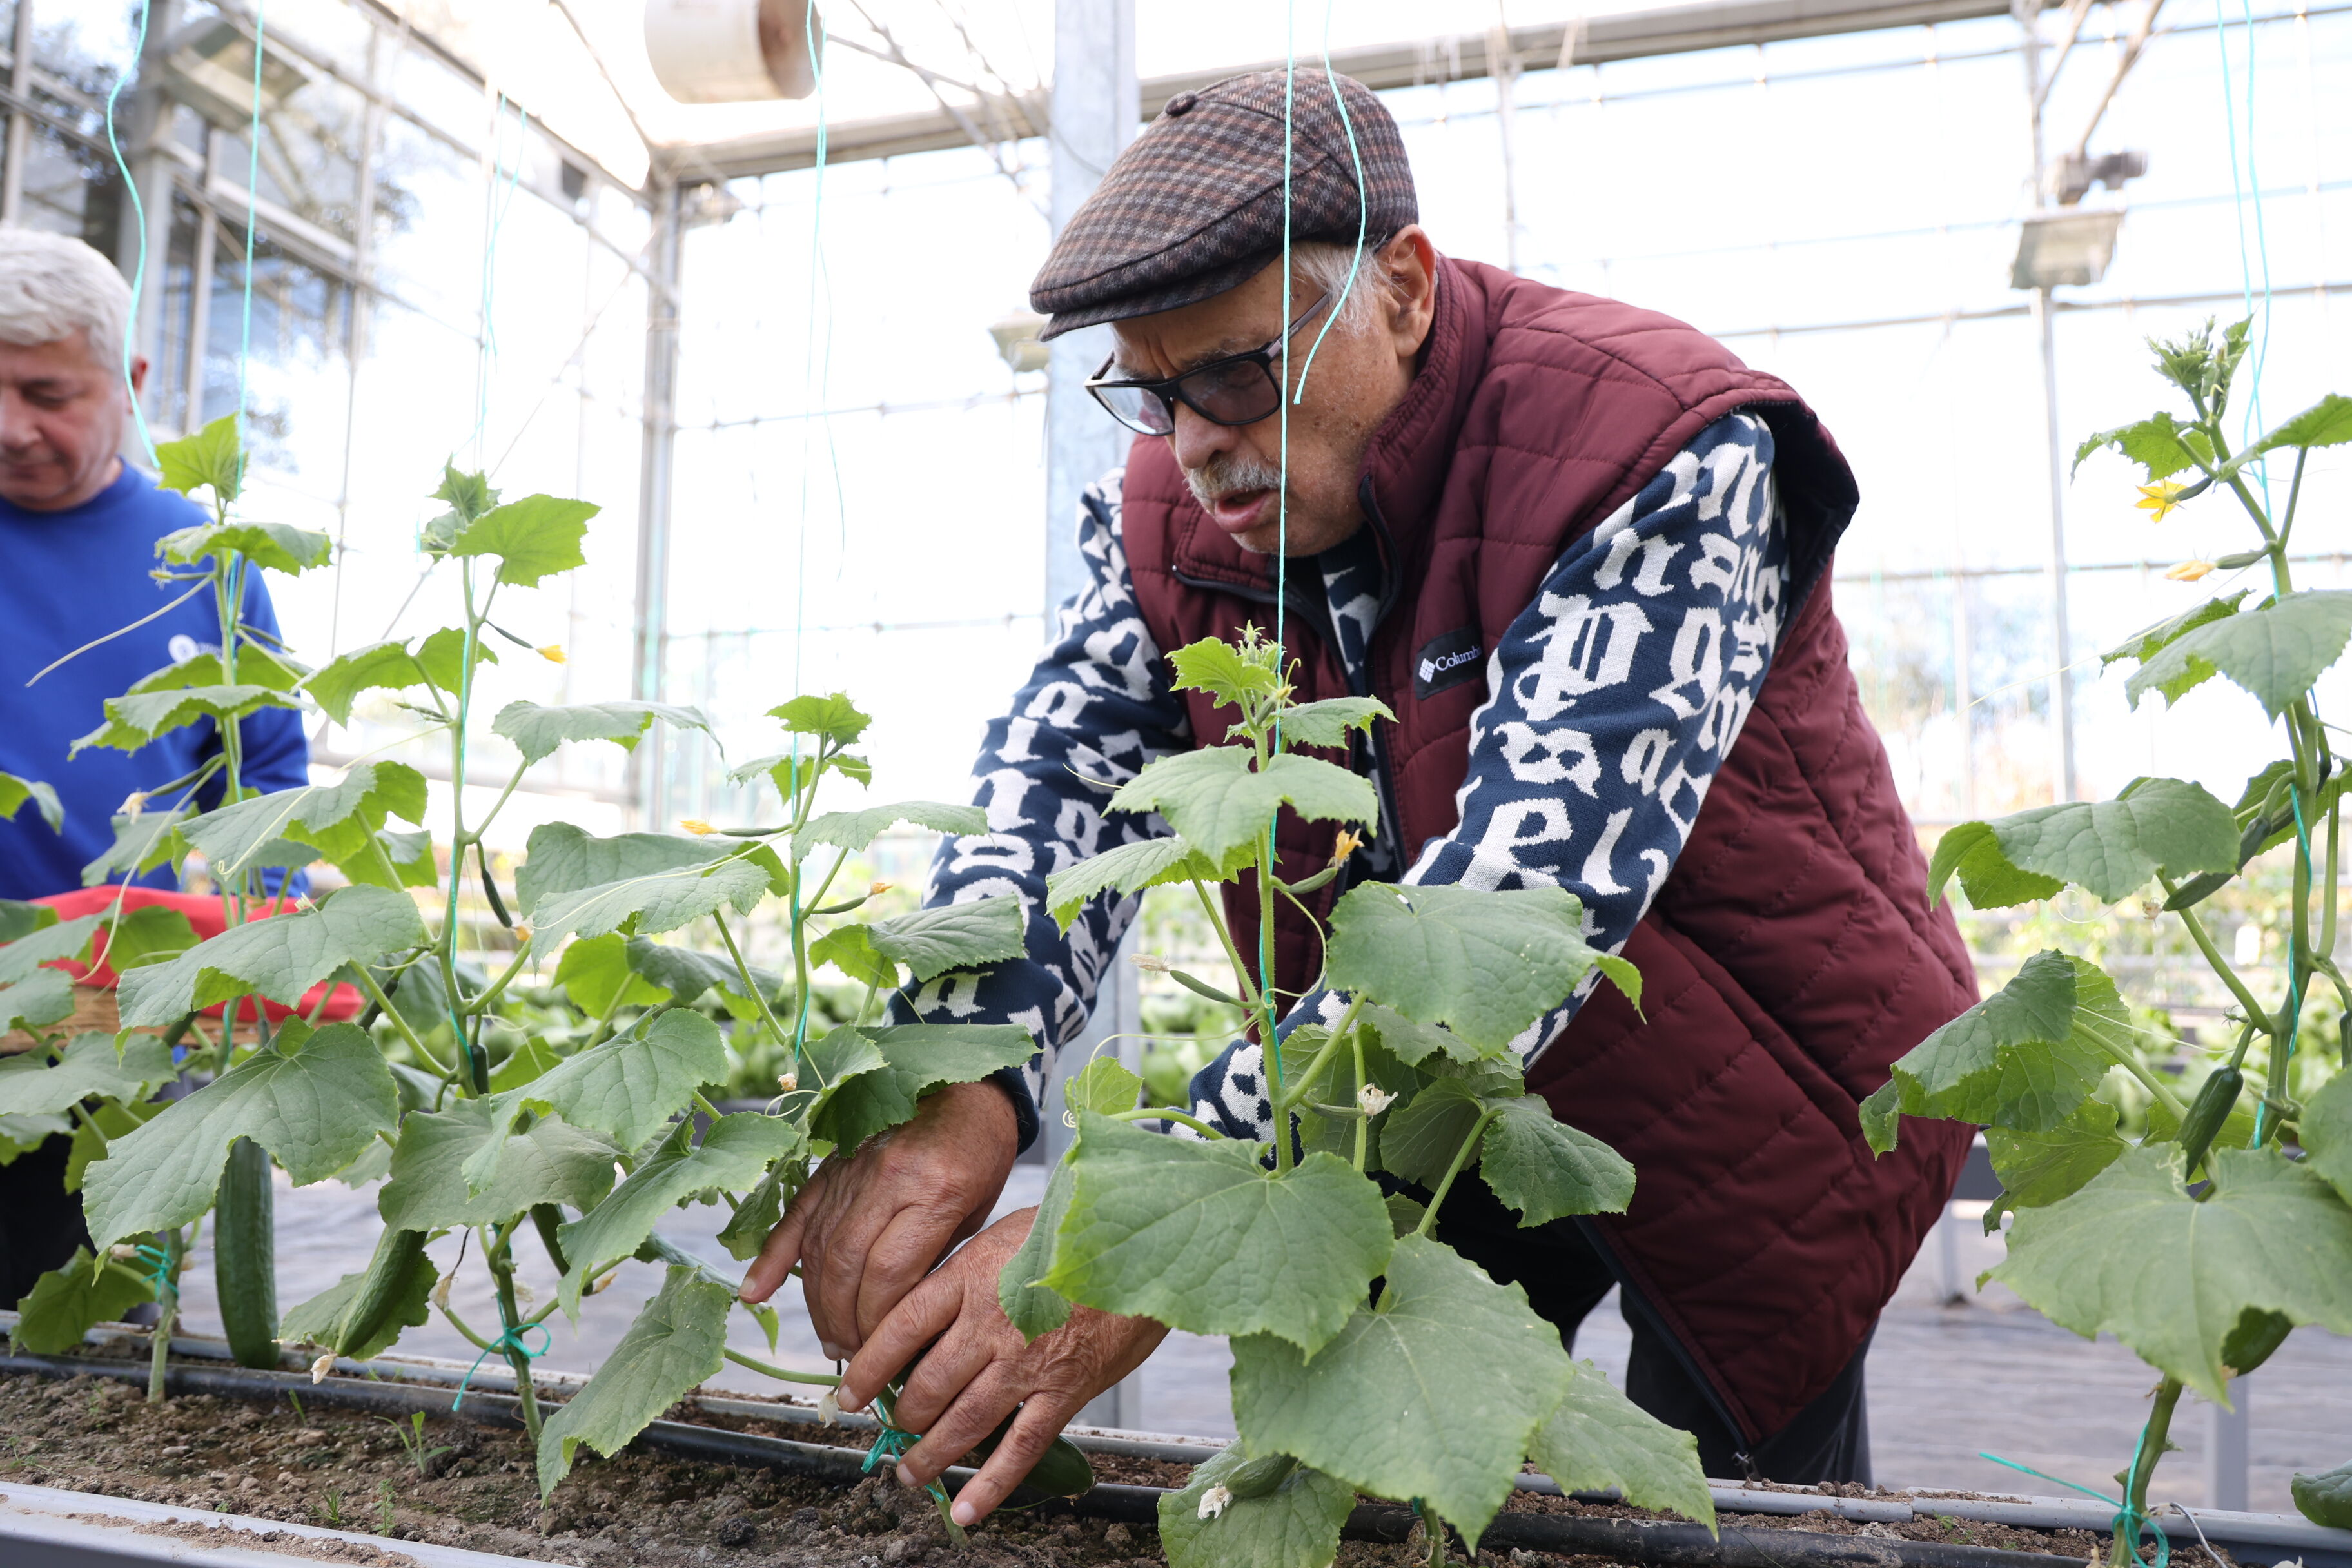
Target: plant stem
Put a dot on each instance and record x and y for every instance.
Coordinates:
(1233, 954)
(502, 1266)
(2255, 1011)
(498, 805)
(1317, 1067)
(1461, 1158)
(463, 1327)
(1363, 1128)
(1269, 1039)
(751, 987)
(786, 1375)
(2153, 1440)
(374, 990)
(482, 1003)
(446, 948)
(159, 1348)
(2327, 947)
(1166, 1113)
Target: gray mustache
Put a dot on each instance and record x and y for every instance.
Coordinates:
(1224, 475)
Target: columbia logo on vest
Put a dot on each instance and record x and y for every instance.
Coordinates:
(1446, 661)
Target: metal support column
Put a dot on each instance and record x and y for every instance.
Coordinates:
(2061, 684)
(2228, 1448)
(1096, 105)
(2061, 680)
(20, 124)
(660, 446)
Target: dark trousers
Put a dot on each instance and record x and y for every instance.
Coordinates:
(1565, 1278)
(40, 1222)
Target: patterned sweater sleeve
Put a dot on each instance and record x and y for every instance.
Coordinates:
(1610, 703)
(1094, 710)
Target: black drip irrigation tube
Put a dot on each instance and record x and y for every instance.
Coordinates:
(1666, 1545)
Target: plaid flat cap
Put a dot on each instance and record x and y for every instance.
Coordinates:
(1193, 206)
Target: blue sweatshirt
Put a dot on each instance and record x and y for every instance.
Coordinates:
(65, 578)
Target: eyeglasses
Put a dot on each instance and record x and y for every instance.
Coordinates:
(1239, 389)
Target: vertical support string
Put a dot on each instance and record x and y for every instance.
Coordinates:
(139, 219)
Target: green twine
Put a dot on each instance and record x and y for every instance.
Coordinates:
(509, 1340)
(159, 1272)
(2127, 1518)
(890, 1445)
(138, 218)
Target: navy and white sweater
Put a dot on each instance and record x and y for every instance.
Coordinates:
(1610, 701)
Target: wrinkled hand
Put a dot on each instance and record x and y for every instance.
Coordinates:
(981, 1368)
(866, 1229)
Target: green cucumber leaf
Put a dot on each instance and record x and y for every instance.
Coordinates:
(1483, 964)
(1218, 803)
(339, 819)
(142, 841)
(45, 997)
(90, 1069)
(2037, 1168)
(2326, 1497)
(535, 537)
(1189, 1233)
(1296, 1525)
(2149, 640)
(835, 717)
(1545, 1169)
(1599, 1440)
(149, 934)
(2023, 1057)
(659, 901)
(734, 1153)
(629, 1088)
(67, 1303)
(1408, 1401)
(1103, 1087)
(546, 1161)
(278, 546)
(677, 1341)
(1224, 671)
(314, 1108)
(2271, 1236)
(1020, 1290)
(2327, 1133)
(2326, 423)
(1420, 1138)
(537, 730)
(1130, 869)
(134, 719)
(1327, 723)
(596, 974)
(23, 958)
(854, 830)
(2155, 443)
(686, 973)
(560, 859)
(2274, 651)
(920, 1057)
(850, 950)
(15, 792)
(2110, 848)
(953, 936)
(212, 455)
(281, 957)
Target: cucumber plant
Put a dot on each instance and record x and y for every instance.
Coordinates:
(2202, 1245)
(554, 1088)
(1368, 1356)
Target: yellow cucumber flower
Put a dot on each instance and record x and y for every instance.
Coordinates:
(697, 826)
(2189, 571)
(2160, 499)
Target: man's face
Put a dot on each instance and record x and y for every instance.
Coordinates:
(62, 419)
(1359, 375)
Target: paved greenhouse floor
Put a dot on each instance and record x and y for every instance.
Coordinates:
(1944, 1380)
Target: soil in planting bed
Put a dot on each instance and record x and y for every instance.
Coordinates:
(352, 1472)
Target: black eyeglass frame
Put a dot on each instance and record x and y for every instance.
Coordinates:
(1171, 391)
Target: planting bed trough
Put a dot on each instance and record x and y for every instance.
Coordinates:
(735, 1480)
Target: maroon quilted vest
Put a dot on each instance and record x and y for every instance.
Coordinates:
(1791, 955)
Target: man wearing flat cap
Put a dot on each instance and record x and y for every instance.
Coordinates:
(1583, 553)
